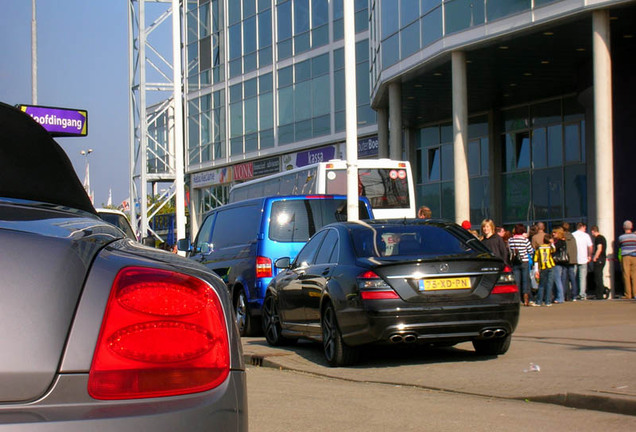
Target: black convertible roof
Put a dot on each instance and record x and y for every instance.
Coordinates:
(33, 166)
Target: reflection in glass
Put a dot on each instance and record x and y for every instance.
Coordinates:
(479, 198)
(463, 14)
(539, 148)
(431, 25)
(448, 200)
(572, 143)
(555, 145)
(265, 29)
(575, 184)
(516, 200)
(547, 194)
(434, 164)
(502, 8)
(410, 39)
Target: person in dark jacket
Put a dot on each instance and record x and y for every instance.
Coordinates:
(494, 242)
(568, 275)
(599, 257)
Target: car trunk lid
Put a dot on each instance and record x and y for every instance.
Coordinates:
(441, 279)
(44, 263)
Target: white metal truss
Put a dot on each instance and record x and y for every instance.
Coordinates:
(156, 111)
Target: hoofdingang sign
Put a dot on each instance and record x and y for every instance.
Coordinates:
(60, 122)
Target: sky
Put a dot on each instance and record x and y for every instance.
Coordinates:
(82, 64)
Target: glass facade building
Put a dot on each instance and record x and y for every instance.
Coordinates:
(265, 79)
(530, 144)
(265, 82)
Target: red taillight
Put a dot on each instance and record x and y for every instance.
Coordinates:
(505, 289)
(163, 334)
(373, 287)
(263, 267)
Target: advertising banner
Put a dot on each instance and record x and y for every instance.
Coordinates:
(59, 122)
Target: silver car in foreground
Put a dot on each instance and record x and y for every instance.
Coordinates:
(98, 332)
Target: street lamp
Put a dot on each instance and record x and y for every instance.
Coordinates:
(87, 176)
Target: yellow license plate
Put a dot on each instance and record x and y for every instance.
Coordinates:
(444, 284)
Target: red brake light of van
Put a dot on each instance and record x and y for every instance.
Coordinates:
(401, 165)
(163, 334)
(329, 166)
(263, 267)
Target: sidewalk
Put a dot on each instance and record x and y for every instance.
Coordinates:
(579, 354)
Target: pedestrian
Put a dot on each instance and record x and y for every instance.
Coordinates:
(501, 232)
(627, 245)
(598, 261)
(537, 238)
(520, 254)
(424, 213)
(544, 264)
(583, 257)
(561, 259)
(493, 241)
(570, 287)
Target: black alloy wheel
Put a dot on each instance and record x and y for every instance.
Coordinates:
(336, 351)
(243, 318)
(492, 347)
(271, 323)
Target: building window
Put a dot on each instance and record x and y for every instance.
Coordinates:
(543, 164)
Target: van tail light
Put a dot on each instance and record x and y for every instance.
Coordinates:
(373, 287)
(163, 334)
(263, 267)
(506, 283)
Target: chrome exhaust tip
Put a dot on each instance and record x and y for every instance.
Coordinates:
(410, 338)
(499, 333)
(396, 338)
(487, 334)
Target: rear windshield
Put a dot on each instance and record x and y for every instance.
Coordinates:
(385, 188)
(297, 220)
(409, 240)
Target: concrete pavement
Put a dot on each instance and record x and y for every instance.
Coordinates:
(581, 355)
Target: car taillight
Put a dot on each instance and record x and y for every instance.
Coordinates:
(373, 287)
(506, 283)
(263, 267)
(163, 334)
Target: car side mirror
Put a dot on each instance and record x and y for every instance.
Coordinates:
(282, 263)
(184, 245)
(206, 248)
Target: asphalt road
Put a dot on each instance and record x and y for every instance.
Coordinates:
(585, 353)
(283, 401)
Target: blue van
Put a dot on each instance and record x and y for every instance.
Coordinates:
(240, 242)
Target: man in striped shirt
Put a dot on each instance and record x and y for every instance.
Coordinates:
(627, 245)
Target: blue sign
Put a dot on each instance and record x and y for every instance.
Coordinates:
(368, 147)
(313, 156)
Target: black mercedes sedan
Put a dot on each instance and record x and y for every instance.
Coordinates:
(98, 332)
(392, 282)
